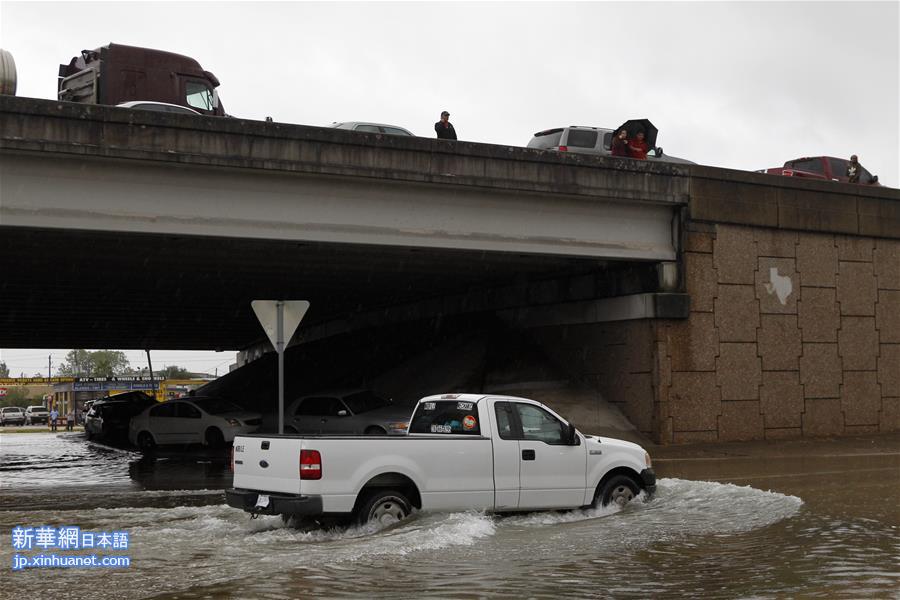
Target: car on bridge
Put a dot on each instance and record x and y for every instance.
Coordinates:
(827, 168)
(196, 420)
(589, 140)
(362, 127)
(12, 415)
(352, 412)
(36, 414)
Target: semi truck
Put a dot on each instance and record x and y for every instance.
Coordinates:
(461, 452)
(116, 73)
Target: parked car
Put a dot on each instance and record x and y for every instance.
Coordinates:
(353, 412)
(589, 140)
(463, 452)
(372, 128)
(109, 417)
(12, 415)
(821, 167)
(199, 419)
(36, 414)
(159, 107)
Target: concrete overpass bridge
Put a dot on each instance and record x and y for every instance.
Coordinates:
(651, 284)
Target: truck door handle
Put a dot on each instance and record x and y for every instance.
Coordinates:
(527, 454)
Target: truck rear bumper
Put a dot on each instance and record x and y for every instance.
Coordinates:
(648, 476)
(278, 504)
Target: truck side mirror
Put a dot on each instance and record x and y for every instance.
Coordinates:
(342, 413)
(571, 438)
(215, 99)
(659, 151)
(874, 178)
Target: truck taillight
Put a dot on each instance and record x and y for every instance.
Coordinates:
(788, 173)
(563, 148)
(310, 464)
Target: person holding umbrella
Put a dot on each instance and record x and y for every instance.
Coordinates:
(642, 136)
(638, 147)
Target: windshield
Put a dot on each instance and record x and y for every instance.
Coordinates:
(361, 402)
(217, 406)
(546, 139)
(446, 416)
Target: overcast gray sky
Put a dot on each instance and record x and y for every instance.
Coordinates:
(742, 85)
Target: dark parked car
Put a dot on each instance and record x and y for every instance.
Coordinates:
(109, 417)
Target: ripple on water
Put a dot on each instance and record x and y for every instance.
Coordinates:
(220, 544)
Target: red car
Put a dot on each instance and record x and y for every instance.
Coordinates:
(821, 167)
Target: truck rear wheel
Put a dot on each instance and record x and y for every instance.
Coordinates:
(385, 507)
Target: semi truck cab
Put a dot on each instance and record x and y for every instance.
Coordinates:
(116, 73)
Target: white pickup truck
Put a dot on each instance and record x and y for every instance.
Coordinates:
(462, 452)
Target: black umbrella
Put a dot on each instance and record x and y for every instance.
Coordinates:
(633, 126)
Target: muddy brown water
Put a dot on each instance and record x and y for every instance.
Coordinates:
(803, 520)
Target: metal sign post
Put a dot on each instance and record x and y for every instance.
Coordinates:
(280, 319)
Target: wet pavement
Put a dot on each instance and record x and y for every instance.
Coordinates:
(759, 520)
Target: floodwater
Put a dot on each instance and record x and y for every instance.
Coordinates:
(812, 520)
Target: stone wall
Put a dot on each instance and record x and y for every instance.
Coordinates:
(616, 359)
(790, 334)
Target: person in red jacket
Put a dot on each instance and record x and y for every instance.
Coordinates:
(620, 144)
(638, 147)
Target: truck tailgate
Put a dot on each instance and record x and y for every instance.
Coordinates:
(270, 464)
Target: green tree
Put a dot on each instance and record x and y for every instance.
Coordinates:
(108, 363)
(17, 396)
(77, 364)
(4, 370)
(101, 363)
(174, 372)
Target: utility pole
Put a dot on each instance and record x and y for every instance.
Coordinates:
(49, 360)
(150, 364)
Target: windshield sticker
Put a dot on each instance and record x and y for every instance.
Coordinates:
(464, 406)
(428, 406)
(469, 422)
(440, 429)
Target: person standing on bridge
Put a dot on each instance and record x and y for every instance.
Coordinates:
(638, 147)
(620, 144)
(853, 170)
(444, 128)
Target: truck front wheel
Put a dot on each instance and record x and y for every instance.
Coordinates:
(620, 490)
(385, 507)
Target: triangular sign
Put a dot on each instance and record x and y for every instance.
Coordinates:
(267, 313)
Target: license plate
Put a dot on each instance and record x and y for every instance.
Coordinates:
(262, 501)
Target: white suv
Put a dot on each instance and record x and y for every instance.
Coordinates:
(588, 140)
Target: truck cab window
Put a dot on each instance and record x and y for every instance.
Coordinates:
(503, 410)
(198, 95)
(451, 417)
(539, 425)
